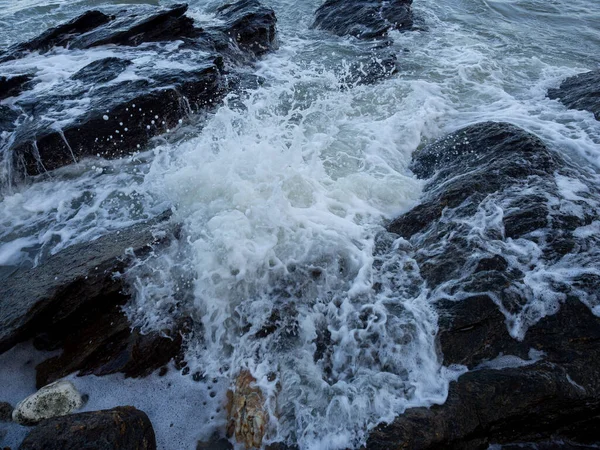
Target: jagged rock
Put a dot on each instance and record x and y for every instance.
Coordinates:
(246, 413)
(122, 428)
(580, 92)
(56, 399)
(499, 208)
(250, 25)
(130, 27)
(120, 117)
(77, 278)
(6, 410)
(11, 86)
(364, 19)
(101, 342)
(102, 70)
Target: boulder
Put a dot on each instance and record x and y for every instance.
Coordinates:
(56, 399)
(580, 92)
(503, 240)
(121, 119)
(130, 27)
(116, 115)
(122, 428)
(78, 277)
(250, 25)
(364, 19)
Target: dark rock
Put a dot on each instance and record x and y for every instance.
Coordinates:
(554, 399)
(364, 19)
(130, 27)
(532, 358)
(100, 342)
(79, 277)
(80, 311)
(114, 127)
(123, 428)
(102, 70)
(502, 181)
(580, 92)
(6, 410)
(250, 25)
(11, 86)
(109, 125)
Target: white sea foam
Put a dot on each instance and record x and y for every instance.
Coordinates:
(282, 196)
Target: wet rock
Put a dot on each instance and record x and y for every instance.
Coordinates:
(114, 127)
(364, 19)
(8, 117)
(102, 70)
(103, 342)
(250, 25)
(6, 410)
(580, 92)
(507, 184)
(123, 428)
(555, 399)
(11, 86)
(497, 213)
(116, 118)
(78, 278)
(56, 399)
(130, 27)
(246, 413)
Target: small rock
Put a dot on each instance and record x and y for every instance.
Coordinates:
(247, 417)
(580, 92)
(6, 410)
(56, 399)
(122, 428)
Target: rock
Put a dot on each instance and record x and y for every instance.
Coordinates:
(8, 117)
(580, 92)
(76, 304)
(130, 27)
(102, 343)
(508, 185)
(246, 413)
(250, 25)
(364, 19)
(122, 428)
(78, 278)
(56, 399)
(500, 209)
(160, 102)
(6, 410)
(102, 70)
(11, 86)
(116, 118)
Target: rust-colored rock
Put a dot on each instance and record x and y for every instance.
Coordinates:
(246, 412)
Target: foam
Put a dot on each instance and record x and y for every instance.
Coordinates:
(283, 195)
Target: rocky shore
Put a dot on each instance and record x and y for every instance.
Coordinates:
(503, 220)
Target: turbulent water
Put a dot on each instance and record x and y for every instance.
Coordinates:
(282, 194)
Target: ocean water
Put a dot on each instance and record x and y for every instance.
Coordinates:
(283, 194)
